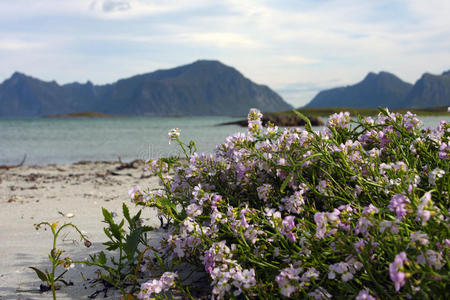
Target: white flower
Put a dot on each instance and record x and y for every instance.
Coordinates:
(173, 134)
(435, 174)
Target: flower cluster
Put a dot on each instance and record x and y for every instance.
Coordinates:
(156, 286)
(359, 209)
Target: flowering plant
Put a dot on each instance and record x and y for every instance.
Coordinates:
(359, 209)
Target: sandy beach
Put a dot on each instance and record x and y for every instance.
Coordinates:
(64, 193)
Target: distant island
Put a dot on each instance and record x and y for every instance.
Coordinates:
(205, 87)
(387, 90)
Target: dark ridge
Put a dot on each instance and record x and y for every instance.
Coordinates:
(204, 87)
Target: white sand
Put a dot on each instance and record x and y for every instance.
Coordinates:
(32, 194)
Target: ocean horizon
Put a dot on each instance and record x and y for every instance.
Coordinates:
(63, 141)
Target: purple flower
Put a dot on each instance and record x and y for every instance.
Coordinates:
(370, 210)
(425, 208)
(168, 279)
(133, 192)
(215, 200)
(340, 120)
(208, 261)
(362, 226)
(155, 286)
(364, 295)
(288, 223)
(321, 223)
(287, 280)
(444, 151)
(264, 191)
(291, 236)
(431, 258)
(319, 294)
(397, 276)
(194, 210)
(294, 203)
(359, 245)
(254, 121)
(322, 219)
(397, 205)
(244, 222)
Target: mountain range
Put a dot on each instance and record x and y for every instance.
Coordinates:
(387, 90)
(201, 88)
(206, 87)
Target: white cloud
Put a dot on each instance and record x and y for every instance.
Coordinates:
(299, 60)
(16, 45)
(115, 5)
(131, 9)
(221, 39)
(272, 42)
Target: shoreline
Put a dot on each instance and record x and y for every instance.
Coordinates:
(67, 193)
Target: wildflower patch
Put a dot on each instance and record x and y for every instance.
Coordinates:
(359, 209)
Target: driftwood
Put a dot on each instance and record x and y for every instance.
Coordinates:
(130, 165)
(7, 167)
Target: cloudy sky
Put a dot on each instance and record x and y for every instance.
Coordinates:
(296, 47)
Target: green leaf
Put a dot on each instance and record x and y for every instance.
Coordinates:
(132, 243)
(136, 217)
(304, 118)
(102, 258)
(192, 147)
(40, 274)
(115, 230)
(108, 233)
(285, 183)
(107, 216)
(166, 202)
(111, 246)
(60, 276)
(126, 213)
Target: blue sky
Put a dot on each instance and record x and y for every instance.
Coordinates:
(296, 47)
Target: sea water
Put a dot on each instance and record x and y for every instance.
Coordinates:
(57, 141)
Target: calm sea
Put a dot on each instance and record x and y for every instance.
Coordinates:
(47, 141)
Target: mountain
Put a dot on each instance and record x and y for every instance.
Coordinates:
(201, 88)
(429, 91)
(382, 89)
